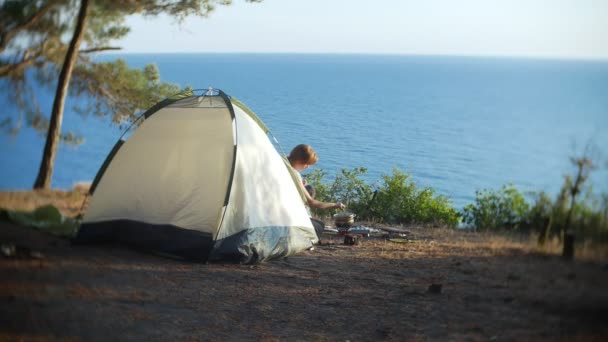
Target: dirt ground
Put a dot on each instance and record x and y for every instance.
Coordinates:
(491, 288)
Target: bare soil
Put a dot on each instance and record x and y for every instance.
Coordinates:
(443, 285)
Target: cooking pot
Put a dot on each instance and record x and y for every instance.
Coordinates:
(344, 219)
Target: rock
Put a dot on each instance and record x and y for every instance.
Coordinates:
(351, 240)
(434, 288)
(513, 277)
(8, 249)
(36, 255)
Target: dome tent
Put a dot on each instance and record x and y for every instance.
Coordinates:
(199, 178)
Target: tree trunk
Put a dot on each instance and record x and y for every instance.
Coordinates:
(43, 180)
(568, 251)
(545, 230)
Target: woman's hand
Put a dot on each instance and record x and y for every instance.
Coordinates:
(339, 205)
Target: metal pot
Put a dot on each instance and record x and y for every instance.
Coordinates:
(344, 220)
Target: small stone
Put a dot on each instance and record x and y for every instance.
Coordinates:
(351, 240)
(36, 255)
(513, 277)
(435, 288)
(8, 249)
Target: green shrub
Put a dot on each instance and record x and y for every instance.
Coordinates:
(589, 217)
(315, 178)
(397, 200)
(541, 210)
(505, 208)
(508, 209)
(349, 189)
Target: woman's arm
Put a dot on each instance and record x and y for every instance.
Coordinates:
(313, 203)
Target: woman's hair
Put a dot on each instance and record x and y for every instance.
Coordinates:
(304, 154)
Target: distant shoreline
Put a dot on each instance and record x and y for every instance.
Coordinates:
(366, 54)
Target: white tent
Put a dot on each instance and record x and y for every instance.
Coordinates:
(199, 178)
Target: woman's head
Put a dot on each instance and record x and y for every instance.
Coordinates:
(302, 155)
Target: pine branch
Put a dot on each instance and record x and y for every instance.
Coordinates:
(5, 37)
(103, 91)
(12, 68)
(101, 48)
(29, 57)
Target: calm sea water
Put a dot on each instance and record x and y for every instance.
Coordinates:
(456, 124)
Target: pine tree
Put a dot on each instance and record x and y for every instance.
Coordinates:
(51, 43)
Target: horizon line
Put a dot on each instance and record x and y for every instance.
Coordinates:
(396, 54)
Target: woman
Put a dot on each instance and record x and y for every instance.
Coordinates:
(301, 158)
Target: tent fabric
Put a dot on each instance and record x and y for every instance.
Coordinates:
(158, 238)
(263, 192)
(199, 178)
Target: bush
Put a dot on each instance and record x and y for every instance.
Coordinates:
(589, 217)
(505, 208)
(315, 178)
(508, 209)
(347, 188)
(397, 200)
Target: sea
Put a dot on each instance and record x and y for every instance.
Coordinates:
(455, 124)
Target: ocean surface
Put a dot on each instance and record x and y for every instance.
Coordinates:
(456, 124)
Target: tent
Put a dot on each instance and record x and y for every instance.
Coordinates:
(199, 178)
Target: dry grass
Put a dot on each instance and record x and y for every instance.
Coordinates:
(585, 250)
(69, 203)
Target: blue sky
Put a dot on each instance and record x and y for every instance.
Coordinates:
(530, 28)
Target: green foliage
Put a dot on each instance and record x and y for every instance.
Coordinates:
(34, 37)
(47, 43)
(315, 178)
(138, 89)
(505, 208)
(349, 189)
(588, 216)
(508, 209)
(397, 200)
(540, 216)
(400, 200)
